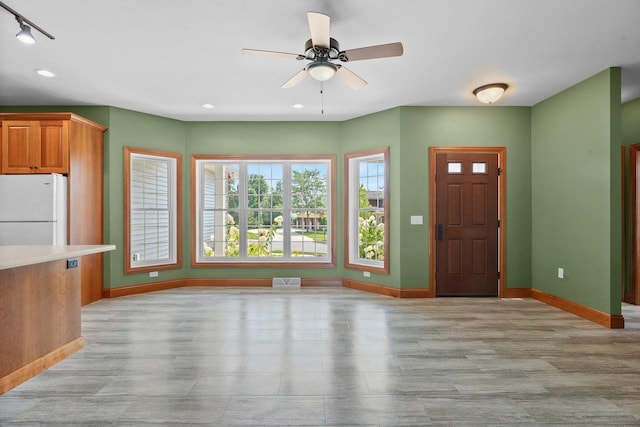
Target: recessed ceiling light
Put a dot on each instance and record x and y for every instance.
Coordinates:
(298, 106)
(44, 73)
(208, 105)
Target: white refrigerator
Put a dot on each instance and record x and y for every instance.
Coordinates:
(33, 209)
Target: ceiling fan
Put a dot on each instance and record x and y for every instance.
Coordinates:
(322, 50)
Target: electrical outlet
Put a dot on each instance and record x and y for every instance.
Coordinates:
(72, 263)
(153, 274)
(366, 274)
(560, 273)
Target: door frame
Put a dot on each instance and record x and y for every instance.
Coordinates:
(502, 210)
(633, 296)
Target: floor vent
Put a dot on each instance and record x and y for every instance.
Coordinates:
(286, 282)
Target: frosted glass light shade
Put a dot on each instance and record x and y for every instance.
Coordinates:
(321, 71)
(488, 94)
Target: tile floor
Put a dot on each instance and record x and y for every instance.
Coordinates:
(333, 356)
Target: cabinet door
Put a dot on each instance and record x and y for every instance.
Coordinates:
(53, 150)
(35, 147)
(20, 140)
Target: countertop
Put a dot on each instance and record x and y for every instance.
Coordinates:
(20, 256)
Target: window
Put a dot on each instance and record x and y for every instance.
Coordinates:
(263, 210)
(454, 167)
(152, 214)
(479, 168)
(367, 201)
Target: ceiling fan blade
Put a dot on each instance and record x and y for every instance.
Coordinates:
(372, 52)
(293, 81)
(353, 80)
(271, 53)
(319, 25)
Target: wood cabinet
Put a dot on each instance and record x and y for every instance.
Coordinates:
(35, 147)
(40, 317)
(71, 145)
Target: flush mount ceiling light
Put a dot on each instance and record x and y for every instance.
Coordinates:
(24, 35)
(321, 71)
(297, 106)
(209, 106)
(488, 94)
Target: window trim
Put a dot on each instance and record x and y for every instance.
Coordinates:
(265, 263)
(128, 154)
(350, 249)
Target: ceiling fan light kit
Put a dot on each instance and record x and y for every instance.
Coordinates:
(488, 94)
(321, 49)
(321, 71)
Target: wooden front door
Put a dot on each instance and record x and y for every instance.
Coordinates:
(466, 224)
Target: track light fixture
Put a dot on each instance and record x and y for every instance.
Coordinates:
(24, 35)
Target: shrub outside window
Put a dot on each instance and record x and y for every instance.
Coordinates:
(367, 196)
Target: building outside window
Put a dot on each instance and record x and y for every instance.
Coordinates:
(151, 206)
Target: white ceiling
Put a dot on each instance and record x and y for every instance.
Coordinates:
(169, 57)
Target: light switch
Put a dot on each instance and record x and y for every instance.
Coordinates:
(416, 220)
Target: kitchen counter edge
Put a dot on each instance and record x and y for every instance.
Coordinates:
(23, 255)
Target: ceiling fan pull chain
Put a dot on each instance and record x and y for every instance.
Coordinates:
(322, 96)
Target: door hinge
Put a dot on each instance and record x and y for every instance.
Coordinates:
(498, 274)
(499, 171)
(498, 223)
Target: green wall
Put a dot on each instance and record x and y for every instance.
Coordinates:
(563, 182)
(407, 131)
(133, 129)
(424, 127)
(268, 138)
(376, 131)
(576, 213)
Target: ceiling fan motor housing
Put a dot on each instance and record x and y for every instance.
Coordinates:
(319, 53)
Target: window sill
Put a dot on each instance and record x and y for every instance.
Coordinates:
(264, 264)
(148, 268)
(369, 268)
